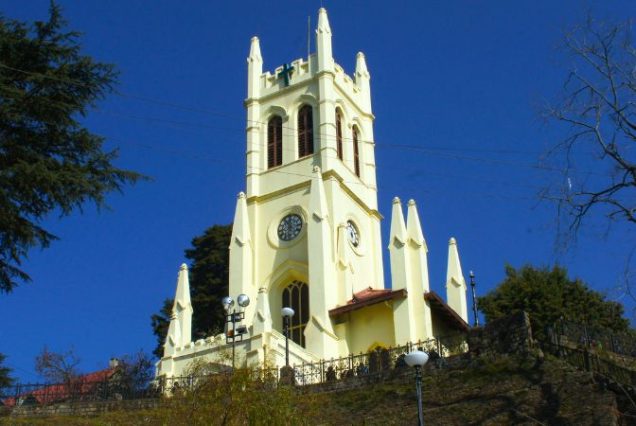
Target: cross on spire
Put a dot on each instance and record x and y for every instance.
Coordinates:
(286, 73)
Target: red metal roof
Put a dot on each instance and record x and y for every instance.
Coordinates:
(437, 304)
(58, 392)
(367, 297)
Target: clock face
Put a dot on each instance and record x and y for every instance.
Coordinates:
(289, 227)
(352, 233)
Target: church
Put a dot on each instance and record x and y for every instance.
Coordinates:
(306, 231)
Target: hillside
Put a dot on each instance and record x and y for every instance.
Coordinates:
(503, 390)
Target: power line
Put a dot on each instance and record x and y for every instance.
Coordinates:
(429, 150)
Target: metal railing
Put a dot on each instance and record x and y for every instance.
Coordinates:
(359, 365)
(76, 390)
(612, 355)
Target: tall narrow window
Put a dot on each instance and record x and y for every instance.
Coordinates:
(305, 132)
(356, 152)
(339, 133)
(274, 142)
(296, 296)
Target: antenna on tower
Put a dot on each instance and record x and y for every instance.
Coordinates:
(308, 36)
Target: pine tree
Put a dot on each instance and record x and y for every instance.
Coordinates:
(209, 277)
(48, 160)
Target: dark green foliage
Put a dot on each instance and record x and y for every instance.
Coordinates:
(160, 322)
(48, 160)
(209, 277)
(5, 379)
(548, 295)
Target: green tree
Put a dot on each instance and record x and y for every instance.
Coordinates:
(209, 277)
(48, 160)
(548, 295)
(5, 374)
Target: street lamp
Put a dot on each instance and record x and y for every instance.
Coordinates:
(233, 317)
(472, 286)
(287, 314)
(417, 359)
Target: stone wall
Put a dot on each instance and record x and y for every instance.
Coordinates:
(82, 408)
(509, 335)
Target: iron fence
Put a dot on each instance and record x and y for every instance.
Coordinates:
(376, 361)
(572, 333)
(77, 390)
(355, 365)
(612, 355)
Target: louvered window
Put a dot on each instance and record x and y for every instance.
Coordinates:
(296, 296)
(274, 142)
(356, 152)
(339, 133)
(305, 132)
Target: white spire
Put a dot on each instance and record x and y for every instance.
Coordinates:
(180, 328)
(254, 69)
(182, 296)
(455, 283)
(362, 79)
(454, 271)
(413, 226)
(323, 22)
(361, 68)
(398, 229)
(255, 51)
(323, 42)
(241, 256)
(241, 228)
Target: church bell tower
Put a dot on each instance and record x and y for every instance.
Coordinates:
(307, 230)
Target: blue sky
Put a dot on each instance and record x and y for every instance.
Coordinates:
(457, 89)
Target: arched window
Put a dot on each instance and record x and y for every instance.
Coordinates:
(305, 132)
(274, 142)
(356, 152)
(296, 296)
(339, 133)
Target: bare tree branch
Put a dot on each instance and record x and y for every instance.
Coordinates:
(598, 110)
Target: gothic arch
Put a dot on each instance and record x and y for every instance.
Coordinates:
(356, 142)
(275, 110)
(340, 133)
(285, 274)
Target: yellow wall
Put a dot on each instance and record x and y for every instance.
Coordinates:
(370, 325)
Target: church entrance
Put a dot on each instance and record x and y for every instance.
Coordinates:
(296, 296)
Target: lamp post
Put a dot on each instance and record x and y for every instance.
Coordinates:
(233, 317)
(472, 286)
(287, 314)
(417, 359)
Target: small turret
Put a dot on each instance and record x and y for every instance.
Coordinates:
(362, 78)
(241, 259)
(323, 42)
(180, 328)
(418, 255)
(455, 283)
(254, 69)
(400, 265)
(398, 229)
(414, 228)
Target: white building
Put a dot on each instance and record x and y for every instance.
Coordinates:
(307, 230)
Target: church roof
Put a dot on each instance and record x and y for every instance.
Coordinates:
(79, 386)
(441, 308)
(367, 297)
